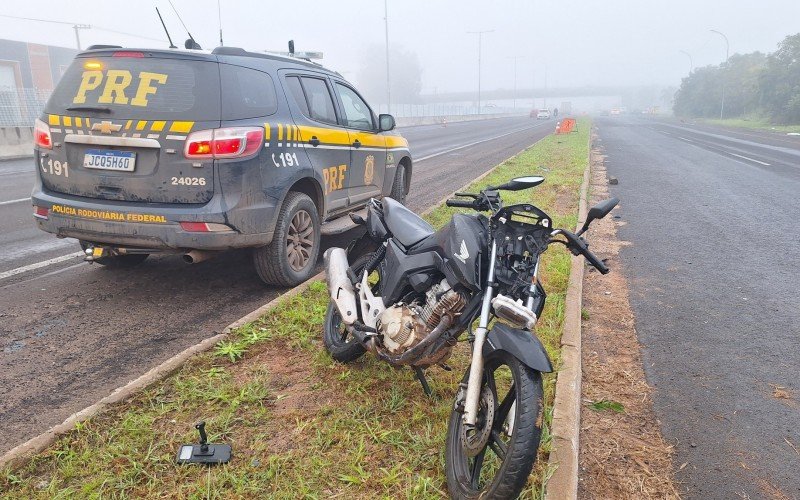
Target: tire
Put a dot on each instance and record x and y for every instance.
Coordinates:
(520, 448)
(334, 336)
(118, 261)
(398, 192)
(291, 257)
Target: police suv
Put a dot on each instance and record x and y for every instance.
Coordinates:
(144, 151)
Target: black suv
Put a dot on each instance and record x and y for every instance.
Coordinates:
(142, 151)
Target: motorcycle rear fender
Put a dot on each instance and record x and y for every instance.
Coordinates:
(521, 344)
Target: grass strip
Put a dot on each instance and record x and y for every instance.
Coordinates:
(300, 424)
(754, 123)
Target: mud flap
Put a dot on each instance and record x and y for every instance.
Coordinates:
(521, 344)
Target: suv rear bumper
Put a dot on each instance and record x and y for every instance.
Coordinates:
(118, 223)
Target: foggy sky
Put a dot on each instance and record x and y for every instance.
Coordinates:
(589, 42)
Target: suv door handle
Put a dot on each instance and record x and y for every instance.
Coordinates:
(314, 141)
(357, 144)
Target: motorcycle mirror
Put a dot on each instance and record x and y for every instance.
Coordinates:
(598, 212)
(520, 183)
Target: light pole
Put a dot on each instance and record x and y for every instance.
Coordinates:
(480, 39)
(388, 78)
(515, 58)
(691, 61)
(727, 53)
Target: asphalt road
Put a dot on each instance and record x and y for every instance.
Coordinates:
(71, 332)
(712, 218)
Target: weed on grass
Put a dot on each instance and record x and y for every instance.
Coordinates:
(605, 404)
(300, 424)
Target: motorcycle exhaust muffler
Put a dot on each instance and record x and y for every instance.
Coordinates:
(342, 293)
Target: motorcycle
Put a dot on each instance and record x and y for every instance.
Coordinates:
(414, 291)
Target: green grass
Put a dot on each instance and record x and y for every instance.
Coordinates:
(302, 426)
(754, 123)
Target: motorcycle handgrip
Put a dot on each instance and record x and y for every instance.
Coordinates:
(460, 203)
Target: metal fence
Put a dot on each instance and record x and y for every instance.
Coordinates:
(19, 107)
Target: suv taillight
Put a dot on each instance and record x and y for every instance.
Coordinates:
(233, 142)
(41, 135)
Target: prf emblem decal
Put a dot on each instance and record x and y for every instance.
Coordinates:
(463, 255)
(369, 169)
(389, 158)
(106, 127)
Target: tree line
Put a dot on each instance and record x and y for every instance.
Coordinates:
(756, 85)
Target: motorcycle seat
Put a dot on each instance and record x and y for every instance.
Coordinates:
(406, 226)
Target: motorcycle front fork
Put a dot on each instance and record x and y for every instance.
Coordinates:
(471, 402)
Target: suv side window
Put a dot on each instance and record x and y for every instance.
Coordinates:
(293, 82)
(357, 113)
(319, 100)
(246, 93)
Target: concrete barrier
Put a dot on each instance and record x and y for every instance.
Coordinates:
(410, 121)
(16, 142)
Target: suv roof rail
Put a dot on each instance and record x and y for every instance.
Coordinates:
(238, 51)
(102, 46)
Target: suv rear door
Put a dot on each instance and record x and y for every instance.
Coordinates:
(367, 146)
(324, 139)
(119, 120)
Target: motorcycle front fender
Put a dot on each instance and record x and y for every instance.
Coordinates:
(521, 344)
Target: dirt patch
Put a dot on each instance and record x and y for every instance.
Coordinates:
(622, 454)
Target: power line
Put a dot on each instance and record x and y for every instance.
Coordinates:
(80, 24)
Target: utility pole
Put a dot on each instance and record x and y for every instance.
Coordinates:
(515, 58)
(77, 27)
(545, 86)
(480, 39)
(727, 54)
(388, 77)
(691, 61)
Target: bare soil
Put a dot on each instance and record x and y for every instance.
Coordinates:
(622, 453)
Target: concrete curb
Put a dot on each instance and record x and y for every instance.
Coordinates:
(563, 484)
(17, 456)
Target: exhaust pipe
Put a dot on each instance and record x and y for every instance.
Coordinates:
(342, 293)
(195, 256)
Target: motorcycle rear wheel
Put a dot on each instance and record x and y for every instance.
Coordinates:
(338, 342)
(498, 468)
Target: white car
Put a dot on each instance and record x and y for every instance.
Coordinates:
(543, 114)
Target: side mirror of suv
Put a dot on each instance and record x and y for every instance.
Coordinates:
(385, 123)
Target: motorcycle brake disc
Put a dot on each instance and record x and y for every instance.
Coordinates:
(474, 439)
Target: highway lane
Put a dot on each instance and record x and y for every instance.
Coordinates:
(72, 332)
(713, 264)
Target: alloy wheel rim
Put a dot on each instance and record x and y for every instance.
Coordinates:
(300, 240)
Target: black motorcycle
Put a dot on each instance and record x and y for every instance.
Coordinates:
(414, 291)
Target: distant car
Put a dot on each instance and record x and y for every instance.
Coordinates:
(543, 114)
(615, 111)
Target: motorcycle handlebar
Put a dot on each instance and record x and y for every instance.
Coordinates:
(578, 246)
(460, 203)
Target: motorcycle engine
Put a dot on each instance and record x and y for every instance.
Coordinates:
(405, 325)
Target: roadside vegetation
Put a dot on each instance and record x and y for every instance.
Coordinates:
(759, 88)
(300, 424)
(753, 123)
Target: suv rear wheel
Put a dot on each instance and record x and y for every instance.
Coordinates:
(292, 256)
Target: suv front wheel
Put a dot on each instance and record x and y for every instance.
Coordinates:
(291, 257)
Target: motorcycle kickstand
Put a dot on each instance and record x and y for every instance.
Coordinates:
(423, 381)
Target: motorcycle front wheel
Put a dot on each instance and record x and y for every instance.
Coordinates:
(495, 458)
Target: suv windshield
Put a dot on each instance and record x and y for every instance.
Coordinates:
(153, 88)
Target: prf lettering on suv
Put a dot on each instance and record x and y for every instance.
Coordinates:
(143, 151)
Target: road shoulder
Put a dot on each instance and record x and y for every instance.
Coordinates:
(622, 453)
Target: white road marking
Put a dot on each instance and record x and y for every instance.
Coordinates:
(9, 202)
(749, 159)
(685, 139)
(434, 155)
(39, 265)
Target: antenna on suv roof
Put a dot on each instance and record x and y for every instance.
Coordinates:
(171, 45)
(190, 43)
(219, 18)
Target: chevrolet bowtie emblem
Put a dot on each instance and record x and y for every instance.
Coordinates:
(106, 127)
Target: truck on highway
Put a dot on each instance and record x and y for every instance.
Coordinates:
(143, 151)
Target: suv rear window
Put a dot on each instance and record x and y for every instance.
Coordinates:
(246, 93)
(152, 88)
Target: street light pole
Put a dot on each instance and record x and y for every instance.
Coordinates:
(515, 58)
(388, 77)
(480, 39)
(727, 55)
(691, 61)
